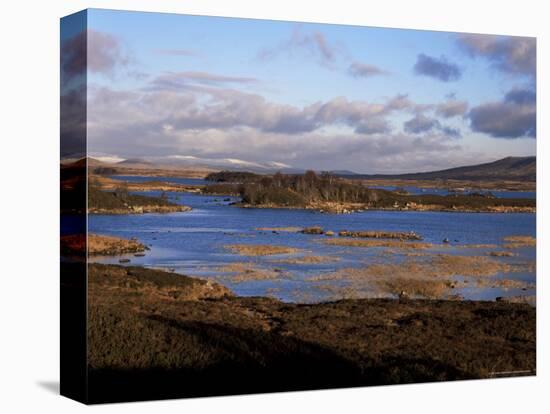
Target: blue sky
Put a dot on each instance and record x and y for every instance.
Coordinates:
(306, 95)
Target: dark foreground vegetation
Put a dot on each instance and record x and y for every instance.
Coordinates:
(232, 177)
(317, 190)
(156, 335)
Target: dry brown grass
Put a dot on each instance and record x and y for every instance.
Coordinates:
(502, 254)
(478, 246)
(430, 278)
(515, 242)
(140, 286)
(528, 299)
(417, 254)
(308, 260)
(424, 288)
(261, 249)
(521, 239)
(529, 266)
(504, 284)
(288, 229)
(377, 243)
(109, 184)
(108, 245)
(469, 266)
(380, 235)
(245, 272)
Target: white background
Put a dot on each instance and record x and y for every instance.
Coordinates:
(29, 148)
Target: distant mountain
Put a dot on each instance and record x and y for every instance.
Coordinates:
(139, 161)
(506, 169)
(343, 172)
(229, 164)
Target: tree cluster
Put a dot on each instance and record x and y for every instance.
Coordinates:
(294, 190)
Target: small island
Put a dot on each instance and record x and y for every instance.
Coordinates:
(120, 201)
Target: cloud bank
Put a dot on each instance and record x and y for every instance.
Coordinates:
(515, 55)
(513, 117)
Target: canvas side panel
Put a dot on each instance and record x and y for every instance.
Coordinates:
(73, 383)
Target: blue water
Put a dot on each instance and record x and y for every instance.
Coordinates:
(443, 191)
(193, 242)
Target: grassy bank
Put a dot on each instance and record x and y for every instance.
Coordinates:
(154, 334)
(114, 183)
(120, 201)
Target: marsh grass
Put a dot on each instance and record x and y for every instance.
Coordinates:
(289, 229)
(397, 244)
(477, 246)
(434, 276)
(99, 245)
(502, 254)
(504, 284)
(245, 272)
(516, 242)
(308, 260)
(380, 235)
(108, 245)
(261, 249)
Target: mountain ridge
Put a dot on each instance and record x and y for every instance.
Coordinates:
(509, 169)
(505, 169)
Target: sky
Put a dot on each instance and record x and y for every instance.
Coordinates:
(325, 97)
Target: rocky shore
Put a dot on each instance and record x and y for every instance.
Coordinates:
(140, 209)
(157, 334)
(349, 208)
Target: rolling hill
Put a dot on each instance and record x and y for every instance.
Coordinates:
(506, 169)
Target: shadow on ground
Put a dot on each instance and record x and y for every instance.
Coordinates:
(50, 386)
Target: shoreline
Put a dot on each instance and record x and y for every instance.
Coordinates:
(356, 209)
(140, 210)
(453, 185)
(110, 184)
(100, 245)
